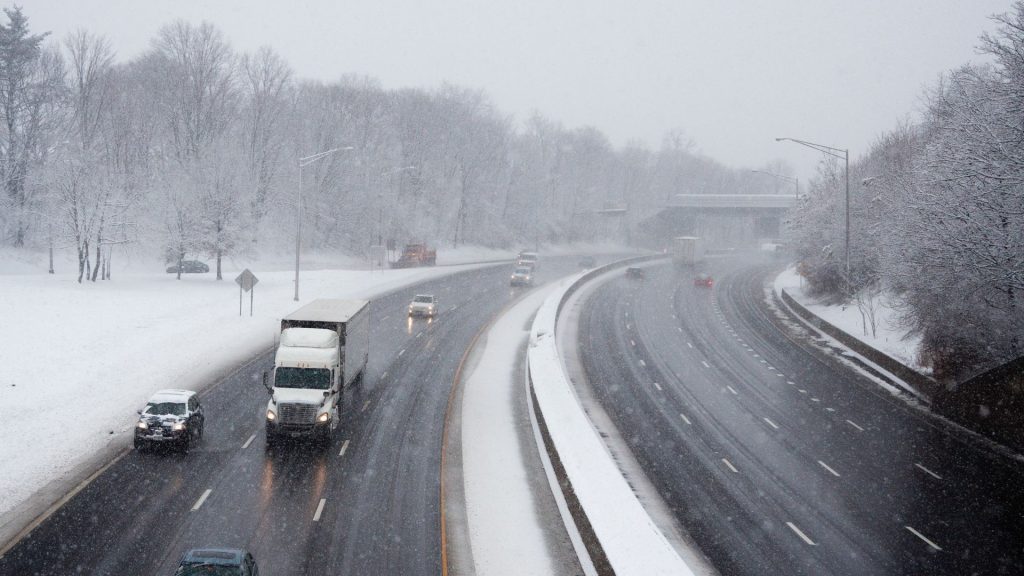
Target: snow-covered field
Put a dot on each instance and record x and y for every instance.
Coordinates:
(888, 337)
(79, 360)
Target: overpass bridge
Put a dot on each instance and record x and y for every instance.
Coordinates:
(724, 219)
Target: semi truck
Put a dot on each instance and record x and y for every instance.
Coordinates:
(414, 255)
(686, 251)
(324, 347)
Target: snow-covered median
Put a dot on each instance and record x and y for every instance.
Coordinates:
(79, 360)
(631, 541)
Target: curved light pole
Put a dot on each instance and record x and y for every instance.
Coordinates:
(795, 181)
(843, 153)
(306, 161)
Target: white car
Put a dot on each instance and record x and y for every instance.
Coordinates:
(522, 276)
(423, 305)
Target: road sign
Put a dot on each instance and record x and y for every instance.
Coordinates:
(246, 281)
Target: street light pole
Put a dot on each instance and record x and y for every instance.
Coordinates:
(795, 181)
(305, 161)
(843, 153)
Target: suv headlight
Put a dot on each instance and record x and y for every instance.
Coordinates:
(271, 416)
(142, 425)
(178, 426)
(324, 417)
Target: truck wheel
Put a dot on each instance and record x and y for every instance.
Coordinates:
(140, 445)
(185, 442)
(271, 439)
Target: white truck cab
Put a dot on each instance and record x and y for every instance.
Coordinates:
(324, 347)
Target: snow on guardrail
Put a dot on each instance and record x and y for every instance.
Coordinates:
(627, 535)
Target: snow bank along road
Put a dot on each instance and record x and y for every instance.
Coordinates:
(369, 505)
(777, 460)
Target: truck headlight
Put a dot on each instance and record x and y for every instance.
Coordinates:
(324, 417)
(142, 425)
(178, 426)
(271, 416)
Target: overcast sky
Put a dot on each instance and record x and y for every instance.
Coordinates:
(732, 74)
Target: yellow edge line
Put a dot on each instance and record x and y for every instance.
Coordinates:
(60, 503)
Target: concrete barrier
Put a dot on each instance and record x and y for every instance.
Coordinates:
(619, 535)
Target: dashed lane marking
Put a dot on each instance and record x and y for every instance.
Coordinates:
(921, 536)
(685, 419)
(731, 467)
(658, 386)
(772, 424)
(830, 409)
(401, 352)
(319, 510)
(731, 389)
(365, 406)
(202, 499)
(705, 364)
(642, 363)
(249, 441)
(344, 447)
(690, 345)
(829, 468)
(815, 400)
(790, 382)
(854, 424)
(632, 343)
(927, 471)
(802, 391)
(799, 533)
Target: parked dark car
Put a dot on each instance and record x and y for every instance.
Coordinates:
(217, 562)
(189, 267)
(635, 273)
(170, 418)
(704, 281)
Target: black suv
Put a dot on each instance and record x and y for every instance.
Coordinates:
(217, 562)
(170, 418)
(189, 267)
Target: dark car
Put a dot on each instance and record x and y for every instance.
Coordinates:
(635, 273)
(704, 280)
(217, 562)
(170, 418)
(587, 262)
(189, 267)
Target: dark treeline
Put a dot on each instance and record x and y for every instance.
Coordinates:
(192, 149)
(937, 216)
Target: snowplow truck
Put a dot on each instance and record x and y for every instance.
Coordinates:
(416, 255)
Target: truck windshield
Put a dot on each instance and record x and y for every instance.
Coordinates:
(312, 378)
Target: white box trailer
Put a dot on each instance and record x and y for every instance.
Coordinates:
(324, 347)
(686, 250)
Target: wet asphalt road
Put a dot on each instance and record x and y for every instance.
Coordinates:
(369, 504)
(778, 459)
